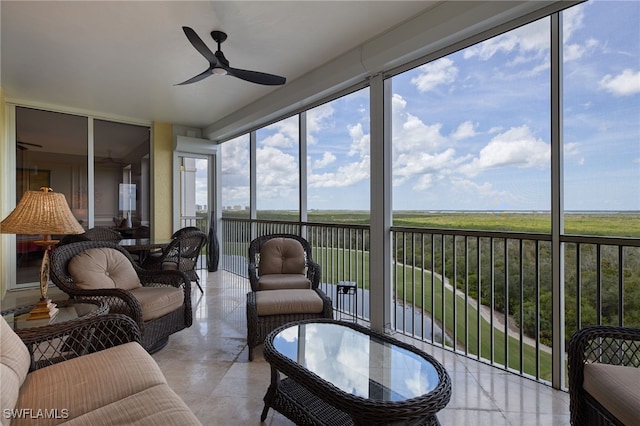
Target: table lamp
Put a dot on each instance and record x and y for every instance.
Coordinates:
(42, 212)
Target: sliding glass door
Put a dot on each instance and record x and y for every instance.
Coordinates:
(102, 168)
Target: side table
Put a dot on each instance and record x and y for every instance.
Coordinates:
(68, 310)
(347, 300)
(66, 344)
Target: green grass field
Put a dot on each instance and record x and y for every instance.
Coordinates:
(420, 291)
(625, 224)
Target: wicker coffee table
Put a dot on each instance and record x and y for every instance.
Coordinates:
(340, 373)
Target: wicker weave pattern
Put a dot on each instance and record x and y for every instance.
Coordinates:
(601, 344)
(313, 269)
(154, 332)
(258, 327)
(183, 251)
(102, 233)
(54, 343)
(285, 396)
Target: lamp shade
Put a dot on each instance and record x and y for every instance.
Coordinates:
(41, 212)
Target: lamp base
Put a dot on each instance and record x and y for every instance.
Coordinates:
(43, 309)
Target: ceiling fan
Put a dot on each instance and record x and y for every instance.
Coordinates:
(24, 146)
(218, 64)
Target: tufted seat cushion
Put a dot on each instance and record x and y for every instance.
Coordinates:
(282, 256)
(296, 301)
(103, 268)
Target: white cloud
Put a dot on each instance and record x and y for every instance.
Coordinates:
(433, 74)
(572, 150)
(347, 175)
(572, 20)
(517, 147)
(411, 164)
(327, 158)
(464, 131)
(360, 141)
(286, 133)
(529, 41)
(277, 173)
(318, 119)
(624, 84)
(410, 134)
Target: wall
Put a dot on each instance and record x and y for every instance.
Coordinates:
(162, 178)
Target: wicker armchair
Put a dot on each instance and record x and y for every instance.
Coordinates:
(604, 346)
(256, 255)
(155, 326)
(181, 254)
(101, 233)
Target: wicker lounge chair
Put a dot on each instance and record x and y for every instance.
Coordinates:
(604, 372)
(284, 283)
(298, 270)
(110, 274)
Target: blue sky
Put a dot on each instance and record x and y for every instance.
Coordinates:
(471, 131)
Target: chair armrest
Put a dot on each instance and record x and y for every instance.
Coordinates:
(119, 300)
(55, 343)
(172, 278)
(313, 273)
(327, 304)
(253, 276)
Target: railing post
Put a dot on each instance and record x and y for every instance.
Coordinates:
(557, 207)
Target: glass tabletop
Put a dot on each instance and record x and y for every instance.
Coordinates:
(68, 310)
(357, 363)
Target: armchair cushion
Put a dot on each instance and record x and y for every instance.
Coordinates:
(616, 388)
(283, 281)
(14, 366)
(103, 268)
(280, 302)
(158, 301)
(282, 256)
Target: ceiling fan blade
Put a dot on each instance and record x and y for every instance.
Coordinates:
(198, 77)
(197, 42)
(257, 77)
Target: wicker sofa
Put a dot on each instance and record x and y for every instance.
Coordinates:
(604, 373)
(87, 372)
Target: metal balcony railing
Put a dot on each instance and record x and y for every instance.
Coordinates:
(485, 295)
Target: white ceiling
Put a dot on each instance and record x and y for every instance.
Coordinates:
(123, 58)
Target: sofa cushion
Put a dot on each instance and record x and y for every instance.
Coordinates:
(616, 388)
(282, 256)
(157, 405)
(14, 366)
(295, 301)
(158, 301)
(81, 385)
(283, 281)
(103, 268)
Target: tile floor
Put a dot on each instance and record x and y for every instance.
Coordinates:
(207, 366)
